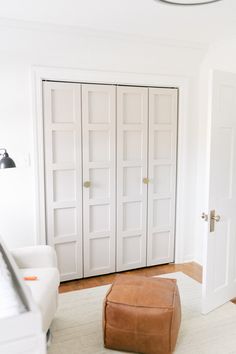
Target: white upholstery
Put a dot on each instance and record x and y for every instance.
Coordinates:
(35, 257)
(40, 261)
(21, 330)
(44, 291)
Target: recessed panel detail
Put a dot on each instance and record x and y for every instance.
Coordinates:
(133, 143)
(162, 179)
(132, 108)
(132, 216)
(162, 109)
(222, 187)
(100, 183)
(99, 253)
(132, 181)
(65, 222)
(132, 249)
(160, 245)
(227, 102)
(62, 108)
(99, 218)
(67, 257)
(221, 251)
(99, 107)
(161, 213)
(99, 143)
(63, 147)
(64, 185)
(162, 145)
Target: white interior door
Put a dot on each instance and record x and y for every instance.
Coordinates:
(132, 122)
(162, 175)
(99, 165)
(62, 146)
(219, 274)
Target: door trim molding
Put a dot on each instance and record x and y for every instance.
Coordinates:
(39, 74)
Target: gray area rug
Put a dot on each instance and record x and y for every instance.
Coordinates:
(77, 327)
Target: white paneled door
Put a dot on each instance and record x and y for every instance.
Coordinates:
(62, 146)
(110, 176)
(99, 168)
(162, 175)
(132, 124)
(219, 272)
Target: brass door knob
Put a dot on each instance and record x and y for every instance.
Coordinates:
(216, 218)
(145, 180)
(87, 184)
(213, 218)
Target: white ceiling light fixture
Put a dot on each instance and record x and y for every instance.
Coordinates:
(188, 2)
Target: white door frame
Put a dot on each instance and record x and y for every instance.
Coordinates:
(121, 78)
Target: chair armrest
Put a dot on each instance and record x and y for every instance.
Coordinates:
(35, 257)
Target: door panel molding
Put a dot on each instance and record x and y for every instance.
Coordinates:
(132, 125)
(99, 169)
(163, 120)
(63, 166)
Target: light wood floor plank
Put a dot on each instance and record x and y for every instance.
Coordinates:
(191, 269)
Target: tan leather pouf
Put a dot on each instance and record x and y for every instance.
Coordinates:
(142, 315)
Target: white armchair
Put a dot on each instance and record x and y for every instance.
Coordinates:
(40, 261)
(35, 257)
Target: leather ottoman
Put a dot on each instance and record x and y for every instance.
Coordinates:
(142, 315)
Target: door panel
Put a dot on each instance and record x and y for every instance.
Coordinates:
(62, 134)
(99, 161)
(132, 123)
(162, 175)
(219, 282)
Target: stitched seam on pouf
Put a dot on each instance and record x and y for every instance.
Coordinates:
(141, 306)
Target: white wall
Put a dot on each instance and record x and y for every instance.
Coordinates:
(220, 56)
(23, 47)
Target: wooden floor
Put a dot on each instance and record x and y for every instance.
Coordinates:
(192, 269)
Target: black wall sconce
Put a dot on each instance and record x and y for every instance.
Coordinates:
(5, 160)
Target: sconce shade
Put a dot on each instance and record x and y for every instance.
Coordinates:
(6, 161)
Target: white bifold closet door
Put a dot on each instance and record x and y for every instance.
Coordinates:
(132, 125)
(110, 176)
(62, 147)
(162, 175)
(99, 176)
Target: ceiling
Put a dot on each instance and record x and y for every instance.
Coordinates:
(152, 18)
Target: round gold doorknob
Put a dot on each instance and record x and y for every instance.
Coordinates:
(145, 180)
(87, 184)
(216, 218)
